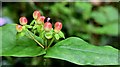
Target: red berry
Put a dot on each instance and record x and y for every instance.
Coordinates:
(36, 14)
(19, 28)
(40, 19)
(47, 26)
(58, 27)
(23, 20)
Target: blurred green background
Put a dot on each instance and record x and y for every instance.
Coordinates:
(94, 22)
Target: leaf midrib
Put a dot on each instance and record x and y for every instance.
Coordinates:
(85, 50)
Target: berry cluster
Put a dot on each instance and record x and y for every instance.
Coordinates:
(41, 28)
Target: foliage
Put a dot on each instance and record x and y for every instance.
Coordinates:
(18, 47)
(97, 25)
(72, 48)
(76, 50)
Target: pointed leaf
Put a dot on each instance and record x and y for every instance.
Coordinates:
(77, 51)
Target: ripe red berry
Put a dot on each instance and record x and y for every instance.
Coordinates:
(19, 28)
(40, 19)
(23, 20)
(36, 14)
(47, 26)
(58, 27)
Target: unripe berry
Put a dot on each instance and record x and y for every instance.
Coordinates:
(23, 20)
(40, 19)
(36, 14)
(58, 27)
(19, 28)
(47, 26)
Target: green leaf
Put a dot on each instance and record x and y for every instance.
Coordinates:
(105, 15)
(110, 29)
(56, 36)
(20, 34)
(99, 17)
(85, 8)
(110, 12)
(22, 47)
(0, 40)
(28, 33)
(61, 34)
(77, 51)
(59, 8)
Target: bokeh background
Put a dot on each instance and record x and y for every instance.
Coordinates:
(94, 22)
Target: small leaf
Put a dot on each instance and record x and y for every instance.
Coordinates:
(77, 51)
(56, 36)
(61, 34)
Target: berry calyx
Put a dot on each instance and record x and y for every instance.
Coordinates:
(58, 27)
(23, 20)
(47, 26)
(36, 14)
(49, 35)
(18, 28)
(40, 19)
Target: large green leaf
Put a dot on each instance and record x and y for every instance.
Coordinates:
(105, 15)
(21, 47)
(77, 51)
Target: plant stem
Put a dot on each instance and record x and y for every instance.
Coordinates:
(32, 22)
(45, 43)
(35, 40)
(50, 42)
(28, 36)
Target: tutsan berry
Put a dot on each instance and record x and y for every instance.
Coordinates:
(23, 20)
(47, 26)
(40, 19)
(36, 14)
(58, 27)
(19, 28)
